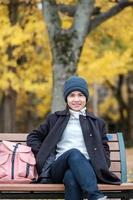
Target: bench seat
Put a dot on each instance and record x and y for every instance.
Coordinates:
(58, 187)
(56, 191)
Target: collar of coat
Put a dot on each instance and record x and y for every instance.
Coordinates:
(66, 112)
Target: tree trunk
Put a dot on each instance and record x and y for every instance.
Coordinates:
(1, 113)
(130, 108)
(66, 44)
(64, 65)
(9, 112)
(59, 77)
(13, 11)
(122, 124)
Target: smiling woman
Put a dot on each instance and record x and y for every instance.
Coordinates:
(75, 145)
(76, 93)
(76, 100)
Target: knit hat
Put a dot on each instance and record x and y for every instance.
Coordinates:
(75, 83)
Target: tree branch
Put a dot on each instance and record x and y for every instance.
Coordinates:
(110, 85)
(117, 91)
(50, 13)
(13, 11)
(80, 23)
(107, 15)
(70, 10)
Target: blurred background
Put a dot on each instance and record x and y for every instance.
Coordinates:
(28, 57)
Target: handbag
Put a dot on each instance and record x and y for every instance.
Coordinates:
(17, 163)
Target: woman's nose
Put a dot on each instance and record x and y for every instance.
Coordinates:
(76, 98)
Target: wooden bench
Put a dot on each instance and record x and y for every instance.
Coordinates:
(56, 191)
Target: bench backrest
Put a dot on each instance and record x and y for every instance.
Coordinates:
(118, 155)
(116, 144)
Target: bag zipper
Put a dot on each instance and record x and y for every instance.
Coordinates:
(13, 160)
(27, 170)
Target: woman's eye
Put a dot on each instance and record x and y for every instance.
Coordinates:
(72, 95)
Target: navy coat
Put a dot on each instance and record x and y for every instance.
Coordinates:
(44, 140)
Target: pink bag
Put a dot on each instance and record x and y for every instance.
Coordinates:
(17, 163)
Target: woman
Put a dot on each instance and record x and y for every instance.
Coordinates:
(71, 146)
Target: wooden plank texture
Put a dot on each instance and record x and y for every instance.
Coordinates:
(13, 136)
(113, 145)
(115, 156)
(115, 166)
(58, 187)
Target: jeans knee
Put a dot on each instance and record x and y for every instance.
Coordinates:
(69, 180)
(75, 155)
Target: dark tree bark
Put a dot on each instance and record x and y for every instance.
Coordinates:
(130, 107)
(125, 123)
(9, 107)
(66, 45)
(2, 113)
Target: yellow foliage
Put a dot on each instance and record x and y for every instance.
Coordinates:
(25, 64)
(108, 53)
(66, 22)
(18, 36)
(67, 2)
(24, 47)
(104, 4)
(110, 108)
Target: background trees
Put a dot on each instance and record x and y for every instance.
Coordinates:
(67, 43)
(24, 65)
(111, 64)
(102, 54)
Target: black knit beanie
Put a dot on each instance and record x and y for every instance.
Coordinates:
(75, 83)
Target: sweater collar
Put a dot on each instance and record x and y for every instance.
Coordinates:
(67, 112)
(77, 113)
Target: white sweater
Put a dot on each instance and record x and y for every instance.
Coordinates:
(72, 136)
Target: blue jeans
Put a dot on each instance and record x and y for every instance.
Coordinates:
(77, 174)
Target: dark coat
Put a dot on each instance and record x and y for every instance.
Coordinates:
(44, 140)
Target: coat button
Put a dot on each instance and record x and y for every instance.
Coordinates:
(95, 149)
(90, 135)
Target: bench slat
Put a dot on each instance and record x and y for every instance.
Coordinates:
(115, 156)
(22, 136)
(13, 136)
(112, 137)
(58, 187)
(115, 166)
(113, 146)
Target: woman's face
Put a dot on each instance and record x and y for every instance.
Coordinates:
(76, 100)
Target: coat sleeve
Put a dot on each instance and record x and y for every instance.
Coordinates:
(105, 142)
(36, 137)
